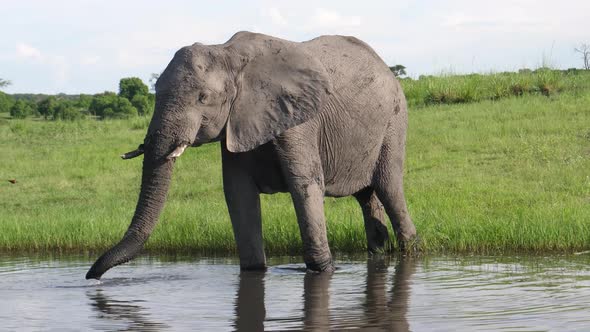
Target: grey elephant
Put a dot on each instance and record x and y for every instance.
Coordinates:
(325, 117)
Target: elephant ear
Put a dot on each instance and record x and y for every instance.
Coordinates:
(279, 88)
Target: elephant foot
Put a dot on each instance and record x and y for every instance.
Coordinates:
(412, 245)
(322, 266)
(377, 240)
(377, 244)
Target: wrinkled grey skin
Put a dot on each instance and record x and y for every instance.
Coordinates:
(319, 118)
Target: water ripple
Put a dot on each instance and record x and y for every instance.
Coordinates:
(521, 293)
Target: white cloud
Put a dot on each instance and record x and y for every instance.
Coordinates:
(58, 64)
(426, 36)
(276, 17)
(27, 51)
(324, 18)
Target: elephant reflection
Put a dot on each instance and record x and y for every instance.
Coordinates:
(250, 310)
(316, 301)
(113, 311)
(381, 312)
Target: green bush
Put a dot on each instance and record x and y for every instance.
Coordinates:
(66, 111)
(110, 105)
(47, 107)
(132, 86)
(144, 104)
(60, 109)
(6, 102)
(22, 109)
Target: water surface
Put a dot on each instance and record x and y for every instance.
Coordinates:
(524, 293)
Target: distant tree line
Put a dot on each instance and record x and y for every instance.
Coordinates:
(133, 99)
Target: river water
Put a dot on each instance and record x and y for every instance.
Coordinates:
(516, 293)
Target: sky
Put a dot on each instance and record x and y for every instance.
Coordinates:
(87, 46)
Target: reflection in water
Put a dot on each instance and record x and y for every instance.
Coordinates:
(498, 293)
(249, 309)
(316, 301)
(381, 310)
(112, 311)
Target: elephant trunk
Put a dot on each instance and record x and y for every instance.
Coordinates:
(157, 172)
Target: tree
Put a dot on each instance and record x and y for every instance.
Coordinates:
(100, 102)
(153, 79)
(59, 109)
(131, 86)
(66, 111)
(584, 50)
(398, 70)
(4, 83)
(109, 105)
(124, 109)
(6, 102)
(84, 101)
(21, 109)
(143, 104)
(47, 106)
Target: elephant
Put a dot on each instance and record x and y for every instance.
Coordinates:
(320, 118)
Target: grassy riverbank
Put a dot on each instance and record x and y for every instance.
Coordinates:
(491, 176)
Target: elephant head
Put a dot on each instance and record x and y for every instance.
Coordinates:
(246, 92)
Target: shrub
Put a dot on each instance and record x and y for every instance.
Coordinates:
(132, 86)
(143, 104)
(110, 105)
(22, 109)
(66, 111)
(6, 102)
(47, 107)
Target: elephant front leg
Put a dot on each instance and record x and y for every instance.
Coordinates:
(243, 203)
(308, 199)
(304, 176)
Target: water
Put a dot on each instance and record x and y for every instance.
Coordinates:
(528, 293)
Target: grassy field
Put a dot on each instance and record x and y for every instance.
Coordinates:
(454, 89)
(491, 176)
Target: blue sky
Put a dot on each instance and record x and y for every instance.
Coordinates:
(86, 46)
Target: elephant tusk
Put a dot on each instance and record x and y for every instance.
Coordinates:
(177, 152)
(134, 153)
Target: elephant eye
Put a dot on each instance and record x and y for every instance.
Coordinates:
(203, 98)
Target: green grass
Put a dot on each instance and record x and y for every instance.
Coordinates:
(487, 177)
(453, 89)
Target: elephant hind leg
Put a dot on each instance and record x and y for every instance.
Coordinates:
(374, 218)
(388, 184)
